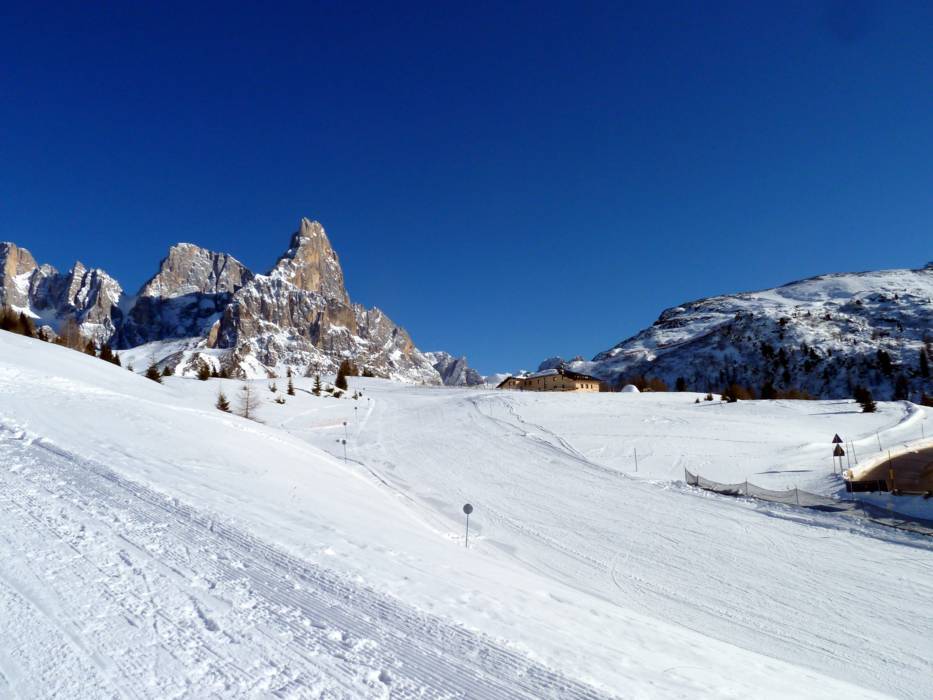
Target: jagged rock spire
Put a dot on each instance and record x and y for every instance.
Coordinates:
(311, 264)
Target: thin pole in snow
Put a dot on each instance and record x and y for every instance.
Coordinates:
(467, 508)
(636, 460)
(796, 495)
(877, 435)
(345, 435)
(854, 453)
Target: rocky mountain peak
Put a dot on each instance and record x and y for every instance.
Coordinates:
(189, 269)
(16, 264)
(15, 260)
(311, 264)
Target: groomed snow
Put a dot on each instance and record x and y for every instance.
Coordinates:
(153, 546)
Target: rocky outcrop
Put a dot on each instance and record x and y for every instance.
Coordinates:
(16, 268)
(88, 296)
(186, 297)
(454, 371)
(558, 362)
(300, 315)
(189, 269)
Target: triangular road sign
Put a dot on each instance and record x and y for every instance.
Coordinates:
(839, 452)
(837, 439)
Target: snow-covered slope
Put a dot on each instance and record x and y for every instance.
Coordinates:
(153, 546)
(821, 335)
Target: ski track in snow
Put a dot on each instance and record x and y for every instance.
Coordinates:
(105, 566)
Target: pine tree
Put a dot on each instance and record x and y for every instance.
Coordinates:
(248, 402)
(153, 373)
(168, 371)
(106, 353)
(341, 381)
(204, 371)
(884, 362)
(291, 386)
(316, 390)
(27, 327)
(7, 323)
(680, 384)
(90, 349)
(222, 403)
(865, 399)
(116, 360)
(901, 389)
(767, 391)
(273, 387)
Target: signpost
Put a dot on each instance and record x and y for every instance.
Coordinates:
(467, 508)
(838, 452)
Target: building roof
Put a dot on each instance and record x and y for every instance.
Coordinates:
(576, 376)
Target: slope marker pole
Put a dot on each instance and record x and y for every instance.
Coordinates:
(467, 508)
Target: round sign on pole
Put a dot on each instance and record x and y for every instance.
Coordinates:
(467, 509)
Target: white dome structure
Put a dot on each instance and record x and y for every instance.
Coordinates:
(630, 389)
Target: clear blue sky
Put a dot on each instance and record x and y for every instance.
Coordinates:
(508, 181)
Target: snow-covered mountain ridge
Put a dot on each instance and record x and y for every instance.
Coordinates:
(823, 335)
(207, 307)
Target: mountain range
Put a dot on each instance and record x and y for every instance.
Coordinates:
(204, 307)
(821, 336)
(824, 336)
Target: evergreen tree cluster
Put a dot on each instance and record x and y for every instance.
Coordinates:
(865, 399)
(17, 322)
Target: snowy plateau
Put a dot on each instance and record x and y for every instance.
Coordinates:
(152, 546)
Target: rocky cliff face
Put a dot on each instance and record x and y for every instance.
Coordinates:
(16, 268)
(823, 335)
(454, 371)
(89, 296)
(185, 298)
(300, 315)
(203, 306)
